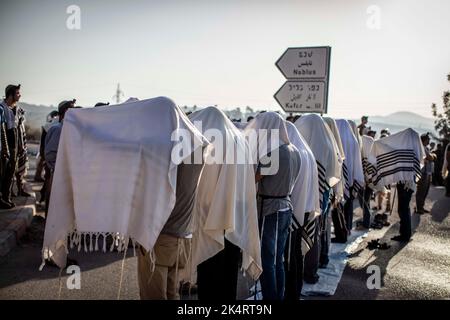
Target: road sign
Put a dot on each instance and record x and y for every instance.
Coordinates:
(305, 63)
(308, 72)
(302, 96)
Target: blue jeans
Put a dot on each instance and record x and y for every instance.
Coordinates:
(273, 243)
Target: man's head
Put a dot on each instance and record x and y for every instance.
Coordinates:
(64, 106)
(385, 132)
(364, 120)
(52, 115)
(12, 93)
(371, 133)
(250, 118)
(432, 145)
(425, 139)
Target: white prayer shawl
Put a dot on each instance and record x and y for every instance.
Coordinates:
(368, 160)
(356, 132)
(115, 176)
(337, 136)
(445, 166)
(398, 159)
(271, 132)
(305, 195)
(339, 187)
(225, 205)
(352, 167)
(323, 145)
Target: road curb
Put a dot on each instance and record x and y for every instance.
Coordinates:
(17, 221)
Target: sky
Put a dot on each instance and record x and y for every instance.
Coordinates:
(224, 52)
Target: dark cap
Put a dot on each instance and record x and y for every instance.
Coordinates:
(365, 117)
(66, 104)
(425, 136)
(101, 104)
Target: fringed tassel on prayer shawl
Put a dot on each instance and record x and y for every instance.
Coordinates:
(79, 240)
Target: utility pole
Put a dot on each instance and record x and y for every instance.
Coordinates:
(119, 94)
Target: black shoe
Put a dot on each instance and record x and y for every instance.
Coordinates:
(336, 240)
(400, 239)
(24, 194)
(71, 262)
(38, 179)
(314, 280)
(426, 211)
(420, 212)
(4, 205)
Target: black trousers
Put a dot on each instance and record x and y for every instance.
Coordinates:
(404, 212)
(9, 168)
(217, 277)
(339, 223)
(423, 187)
(348, 211)
(293, 266)
(447, 184)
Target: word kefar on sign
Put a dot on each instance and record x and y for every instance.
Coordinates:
(302, 96)
(308, 72)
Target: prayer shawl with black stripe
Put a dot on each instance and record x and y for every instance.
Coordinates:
(445, 165)
(352, 167)
(398, 159)
(22, 155)
(116, 175)
(305, 195)
(323, 145)
(225, 205)
(368, 161)
(338, 189)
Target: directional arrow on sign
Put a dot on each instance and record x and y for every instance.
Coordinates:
(305, 63)
(302, 96)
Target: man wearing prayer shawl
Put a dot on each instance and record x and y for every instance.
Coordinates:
(126, 183)
(369, 170)
(337, 195)
(329, 163)
(423, 185)
(225, 213)
(352, 168)
(398, 160)
(278, 165)
(306, 203)
(446, 169)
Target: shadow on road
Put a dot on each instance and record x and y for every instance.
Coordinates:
(22, 264)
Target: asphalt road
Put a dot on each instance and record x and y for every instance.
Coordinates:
(419, 269)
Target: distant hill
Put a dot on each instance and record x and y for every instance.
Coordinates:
(400, 120)
(36, 114)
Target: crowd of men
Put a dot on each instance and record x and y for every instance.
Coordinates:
(292, 245)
